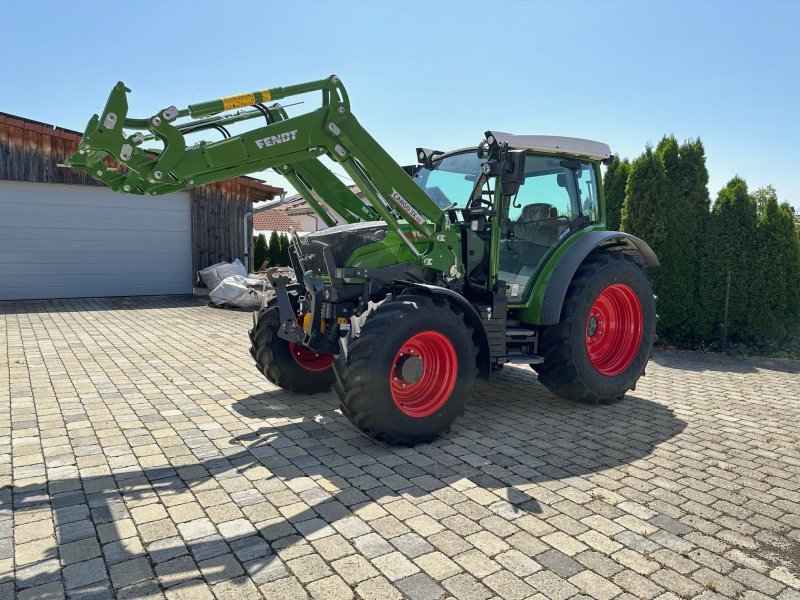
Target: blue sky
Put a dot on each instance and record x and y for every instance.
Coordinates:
(438, 74)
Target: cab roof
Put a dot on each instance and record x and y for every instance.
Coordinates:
(553, 144)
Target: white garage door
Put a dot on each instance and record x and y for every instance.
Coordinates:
(74, 241)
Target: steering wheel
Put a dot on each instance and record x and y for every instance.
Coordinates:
(478, 202)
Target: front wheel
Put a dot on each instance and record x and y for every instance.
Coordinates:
(290, 366)
(602, 344)
(407, 375)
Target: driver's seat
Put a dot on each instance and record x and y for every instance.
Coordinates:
(529, 224)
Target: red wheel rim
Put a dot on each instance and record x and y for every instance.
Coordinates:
(310, 360)
(614, 329)
(424, 374)
(307, 358)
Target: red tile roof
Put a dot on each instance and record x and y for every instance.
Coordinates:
(273, 220)
(297, 204)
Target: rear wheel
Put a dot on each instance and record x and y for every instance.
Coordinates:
(406, 377)
(290, 366)
(601, 346)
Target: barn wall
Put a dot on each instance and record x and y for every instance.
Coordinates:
(218, 212)
(32, 152)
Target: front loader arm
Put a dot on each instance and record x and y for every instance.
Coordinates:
(290, 145)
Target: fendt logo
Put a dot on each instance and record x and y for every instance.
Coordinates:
(274, 140)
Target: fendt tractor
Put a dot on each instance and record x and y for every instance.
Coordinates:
(445, 271)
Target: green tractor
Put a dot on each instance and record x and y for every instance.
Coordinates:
(446, 271)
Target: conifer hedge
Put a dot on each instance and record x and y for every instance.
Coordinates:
(662, 196)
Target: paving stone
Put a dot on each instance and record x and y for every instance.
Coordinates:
(420, 587)
(559, 563)
(309, 568)
(48, 591)
(82, 574)
(220, 568)
(757, 581)
(287, 587)
(412, 545)
(378, 588)
(190, 590)
(144, 590)
(551, 585)
(148, 513)
(129, 572)
(332, 587)
(122, 550)
(466, 587)
(437, 565)
(265, 569)
(196, 529)
(95, 591)
(208, 547)
(508, 585)
(518, 563)
(477, 563)
(249, 548)
(395, 566)
(372, 545)
(79, 551)
(637, 585)
(176, 571)
(166, 549)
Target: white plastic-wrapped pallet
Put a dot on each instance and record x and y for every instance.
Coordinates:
(235, 291)
(212, 276)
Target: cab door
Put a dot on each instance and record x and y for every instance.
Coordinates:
(554, 194)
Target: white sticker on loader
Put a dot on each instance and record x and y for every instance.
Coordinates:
(407, 208)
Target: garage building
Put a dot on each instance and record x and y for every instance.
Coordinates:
(64, 235)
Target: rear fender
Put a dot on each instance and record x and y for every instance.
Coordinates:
(562, 275)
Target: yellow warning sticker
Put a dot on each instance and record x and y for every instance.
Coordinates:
(238, 101)
(266, 95)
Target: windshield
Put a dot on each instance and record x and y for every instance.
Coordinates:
(452, 178)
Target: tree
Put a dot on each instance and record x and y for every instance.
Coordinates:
(614, 182)
(284, 260)
(274, 249)
(694, 210)
(672, 281)
(732, 243)
(260, 252)
(776, 295)
(643, 211)
(645, 214)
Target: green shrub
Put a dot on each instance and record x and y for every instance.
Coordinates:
(260, 252)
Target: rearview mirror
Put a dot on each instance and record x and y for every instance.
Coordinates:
(513, 172)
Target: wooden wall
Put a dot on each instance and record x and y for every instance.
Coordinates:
(218, 212)
(31, 151)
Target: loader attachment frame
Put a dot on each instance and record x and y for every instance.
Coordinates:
(291, 146)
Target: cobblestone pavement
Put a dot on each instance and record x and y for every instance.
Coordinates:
(143, 456)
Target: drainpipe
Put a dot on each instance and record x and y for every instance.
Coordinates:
(247, 216)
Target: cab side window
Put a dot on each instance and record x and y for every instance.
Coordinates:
(588, 192)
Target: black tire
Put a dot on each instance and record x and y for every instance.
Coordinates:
(364, 375)
(273, 356)
(567, 369)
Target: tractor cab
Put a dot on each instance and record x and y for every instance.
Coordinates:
(509, 237)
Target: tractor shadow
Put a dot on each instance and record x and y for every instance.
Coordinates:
(514, 436)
